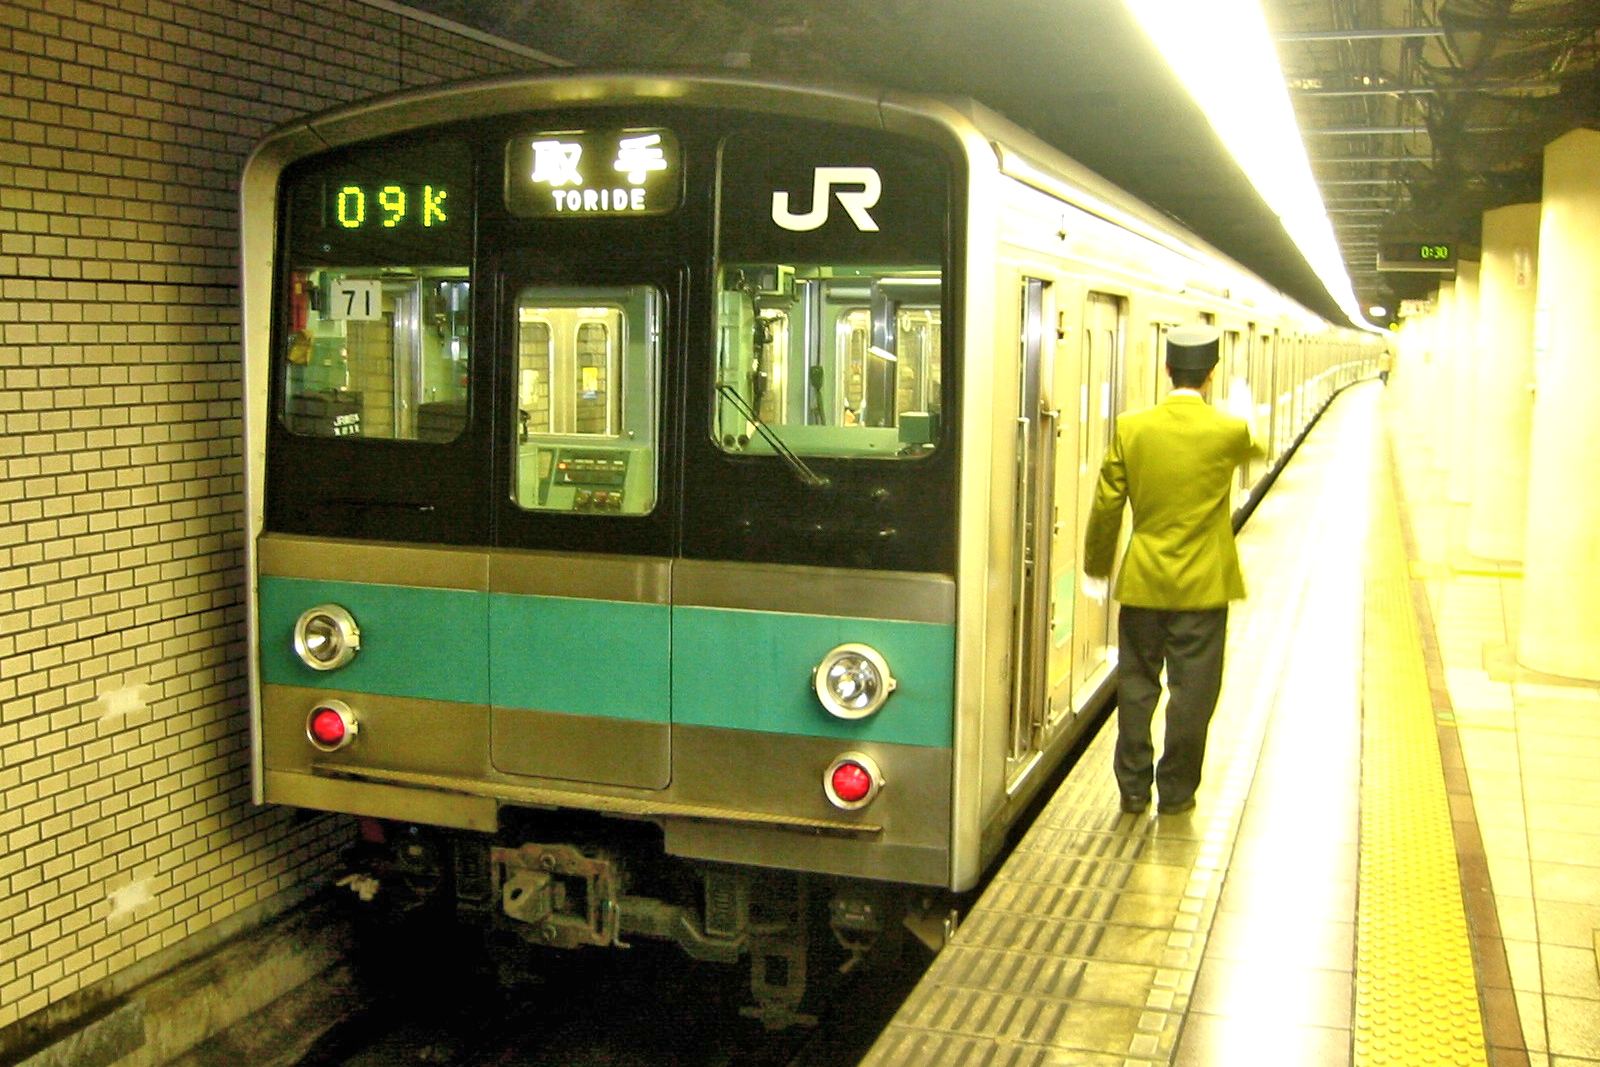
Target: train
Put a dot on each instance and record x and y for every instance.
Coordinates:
(665, 493)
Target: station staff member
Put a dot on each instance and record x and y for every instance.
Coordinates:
(1174, 464)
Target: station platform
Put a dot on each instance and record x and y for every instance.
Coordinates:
(1395, 858)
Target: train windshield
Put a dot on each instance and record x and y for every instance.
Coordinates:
(376, 337)
(837, 360)
(379, 352)
(831, 296)
(587, 367)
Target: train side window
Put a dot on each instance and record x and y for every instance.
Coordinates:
(378, 352)
(830, 360)
(585, 429)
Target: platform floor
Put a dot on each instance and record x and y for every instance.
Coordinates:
(1320, 906)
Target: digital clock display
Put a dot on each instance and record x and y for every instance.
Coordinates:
(369, 205)
(588, 173)
(1435, 256)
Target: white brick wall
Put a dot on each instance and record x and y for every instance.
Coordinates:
(125, 817)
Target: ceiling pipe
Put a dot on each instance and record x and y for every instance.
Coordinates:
(1358, 131)
(1369, 159)
(1517, 87)
(1359, 35)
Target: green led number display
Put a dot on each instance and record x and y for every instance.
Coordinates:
(367, 208)
(1434, 252)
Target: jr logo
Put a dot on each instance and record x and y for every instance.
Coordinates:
(854, 201)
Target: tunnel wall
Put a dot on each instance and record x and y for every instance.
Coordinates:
(127, 835)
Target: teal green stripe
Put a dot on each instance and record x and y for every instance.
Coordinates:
(581, 657)
(746, 670)
(752, 670)
(415, 642)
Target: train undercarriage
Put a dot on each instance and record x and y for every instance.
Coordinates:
(540, 888)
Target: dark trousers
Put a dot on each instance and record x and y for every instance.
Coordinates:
(1190, 644)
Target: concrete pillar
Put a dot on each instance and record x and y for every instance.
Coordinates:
(1502, 394)
(1412, 381)
(1461, 364)
(1412, 364)
(1435, 400)
(1561, 592)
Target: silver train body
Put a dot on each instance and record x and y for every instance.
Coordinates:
(666, 493)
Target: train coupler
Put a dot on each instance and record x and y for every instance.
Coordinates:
(563, 898)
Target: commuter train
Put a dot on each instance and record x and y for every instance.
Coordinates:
(665, 493)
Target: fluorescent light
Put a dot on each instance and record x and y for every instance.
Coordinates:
(1223, 54)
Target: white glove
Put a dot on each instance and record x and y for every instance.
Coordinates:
(1094, 588)
(1239, 403)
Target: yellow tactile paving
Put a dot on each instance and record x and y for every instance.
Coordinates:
(1416, 987)
(1225, 937)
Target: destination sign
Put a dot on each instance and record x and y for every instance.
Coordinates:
(588, 173)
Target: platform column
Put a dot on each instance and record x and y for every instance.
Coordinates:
(1412, 380)
(1502, 394)
(1561, 594)
(1435, 408)
(1461, 363)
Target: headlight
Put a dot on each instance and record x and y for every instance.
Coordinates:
(326, 637)
(853, 681)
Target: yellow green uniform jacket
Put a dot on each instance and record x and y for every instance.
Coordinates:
(1174, 463)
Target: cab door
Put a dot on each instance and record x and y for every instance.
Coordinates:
(579, 626)
(1103, 327)
(1037, 422)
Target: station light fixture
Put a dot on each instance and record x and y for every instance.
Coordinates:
(1224, 55)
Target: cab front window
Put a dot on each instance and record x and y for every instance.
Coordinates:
(587, 366)
(378, 352)
(840, 361)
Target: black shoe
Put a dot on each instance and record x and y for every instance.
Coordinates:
(1177, 807)
(1135, 805)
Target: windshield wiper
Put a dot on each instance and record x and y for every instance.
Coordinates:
(796, 464)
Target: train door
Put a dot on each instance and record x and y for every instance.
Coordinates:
(1161, 385)
(1275, 390)
(1037, 422)
(1247, 368)
(1229, 369)
(579, 626)
(1103, 330)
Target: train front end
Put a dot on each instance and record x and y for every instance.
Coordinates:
(602, 477)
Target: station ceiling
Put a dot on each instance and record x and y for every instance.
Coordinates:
(1417, 115)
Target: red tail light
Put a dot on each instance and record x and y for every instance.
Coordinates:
(852, 781)
(331, 726)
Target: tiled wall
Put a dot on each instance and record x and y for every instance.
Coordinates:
(125, 817)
